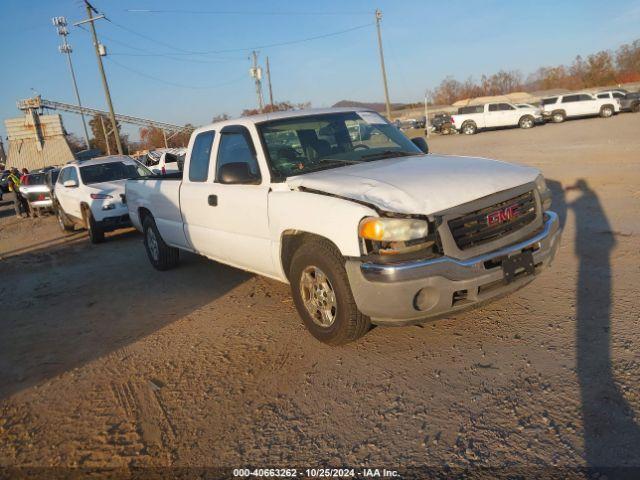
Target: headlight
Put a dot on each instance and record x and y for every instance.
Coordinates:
(392, 229)
(545, 193)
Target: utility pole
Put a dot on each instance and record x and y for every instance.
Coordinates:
(256, 74)
(61, 24)
(269, 82)
(384, 72)
(100, 51)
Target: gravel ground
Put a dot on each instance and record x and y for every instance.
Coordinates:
(105, 362)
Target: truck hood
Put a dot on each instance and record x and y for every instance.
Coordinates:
(419, 184)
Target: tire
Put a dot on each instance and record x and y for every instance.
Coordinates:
(65, 224)
(526, 122)
(558, 117)
(606, 111)
(469, 128)
(96, 234)
(162, 256)
(318, 265)
(635, 108)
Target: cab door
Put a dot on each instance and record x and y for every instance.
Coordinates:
(69, 196)
(224, 200)
(241, 188)
(510, 115)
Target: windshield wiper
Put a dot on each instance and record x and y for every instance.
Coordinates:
(387, 154)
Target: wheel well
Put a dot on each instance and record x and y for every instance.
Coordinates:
(291, 241)
(466, 122)
(558, 111)
(143, 213)
(524, 116)
(607, 105)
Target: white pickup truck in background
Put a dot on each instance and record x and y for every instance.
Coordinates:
(572, 105)
(469, 120)
(366, 229)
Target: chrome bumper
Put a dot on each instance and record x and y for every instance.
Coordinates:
(412, 291)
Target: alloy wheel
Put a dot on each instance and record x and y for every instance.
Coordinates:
(318, 296)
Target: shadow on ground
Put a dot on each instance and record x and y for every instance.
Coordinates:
(73, 302)
(611, 434)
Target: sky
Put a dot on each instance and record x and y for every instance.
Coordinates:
(153, 74)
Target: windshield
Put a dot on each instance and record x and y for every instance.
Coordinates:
(107, 172)
(319, 142)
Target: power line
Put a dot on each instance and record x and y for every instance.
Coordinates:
(149, 52)
(262, 47)
(173, 84)
(222, 12)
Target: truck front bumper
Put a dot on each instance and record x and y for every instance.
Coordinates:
(411, 292)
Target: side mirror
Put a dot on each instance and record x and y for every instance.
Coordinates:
(237, 173)
(70, 183)
(421, 143)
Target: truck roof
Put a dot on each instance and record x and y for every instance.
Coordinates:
(264, 117)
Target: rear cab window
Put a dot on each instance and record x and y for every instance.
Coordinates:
(549, 101)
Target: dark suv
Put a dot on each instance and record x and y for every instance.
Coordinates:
(630, 102)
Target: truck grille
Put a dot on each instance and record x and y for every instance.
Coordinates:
(490, 223)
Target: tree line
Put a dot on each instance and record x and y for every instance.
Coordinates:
(598, 69)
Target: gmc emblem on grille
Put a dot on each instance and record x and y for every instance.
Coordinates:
(503, 215)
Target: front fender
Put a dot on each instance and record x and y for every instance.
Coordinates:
(334, 218)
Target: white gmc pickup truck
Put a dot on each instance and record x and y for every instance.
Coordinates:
(366, 228)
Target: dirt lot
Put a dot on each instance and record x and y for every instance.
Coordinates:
(105, 362)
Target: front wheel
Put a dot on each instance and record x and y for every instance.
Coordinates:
(526, 122)
(469, 128)
(606, 111)
(322, 294)
(161, 255)
(558, 117)
(96, 234)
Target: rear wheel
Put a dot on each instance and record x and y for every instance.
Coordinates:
(322, 295)
(469, 128)
(526, 122)
(635, 108)
(66, 225)
(558, 117)
(96, 234)
(606, 111)
(161, 255)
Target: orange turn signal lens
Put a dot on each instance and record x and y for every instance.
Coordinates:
(372, 229)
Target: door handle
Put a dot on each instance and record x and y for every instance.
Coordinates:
(212, 200)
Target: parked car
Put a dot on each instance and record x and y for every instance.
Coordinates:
(630, 102)
(373, 231)
(421, 122)
(90, 194)
(162, 162)
(469, 120)
(441, 123)
(573, 105)
(35, 190)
